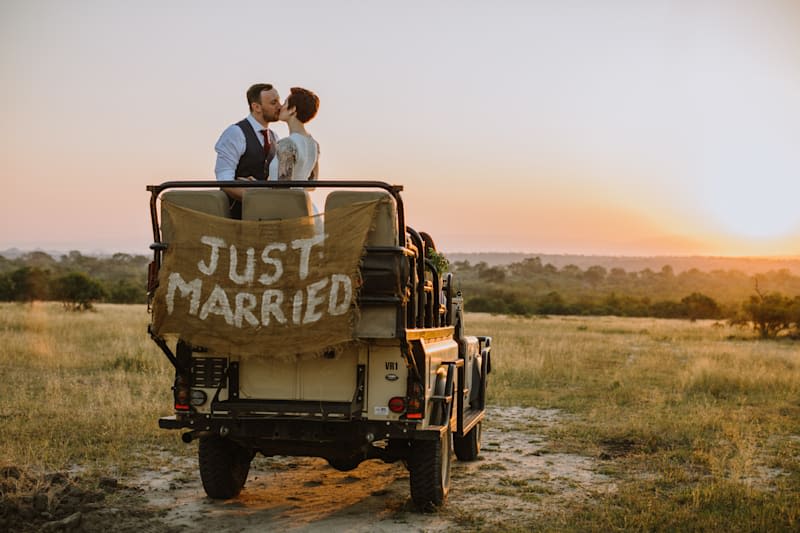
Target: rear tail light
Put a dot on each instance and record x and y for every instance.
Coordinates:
(182, 393)
(397, 404)
(415, 401)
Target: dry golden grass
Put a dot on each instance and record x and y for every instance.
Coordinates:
(698, 424)
(79, 390)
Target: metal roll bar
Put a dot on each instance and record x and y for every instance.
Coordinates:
(394, 190)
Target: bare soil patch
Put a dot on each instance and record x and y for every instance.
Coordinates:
(516, 477)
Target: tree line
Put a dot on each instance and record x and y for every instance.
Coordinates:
(529, 287)
(526, 287)
(76, 280)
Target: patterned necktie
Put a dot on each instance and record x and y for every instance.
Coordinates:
(265, 133)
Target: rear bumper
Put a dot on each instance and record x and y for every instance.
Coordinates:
(265, 429)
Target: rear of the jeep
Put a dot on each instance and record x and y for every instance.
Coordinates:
(405, 387)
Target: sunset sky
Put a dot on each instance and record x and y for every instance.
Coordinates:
(615, 127)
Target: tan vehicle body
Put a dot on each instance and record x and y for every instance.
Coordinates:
(409, 387)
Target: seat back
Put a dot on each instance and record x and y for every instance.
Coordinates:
(214, 202)
(275, 204)
(385, 231)
(376, 320)
(279, 204)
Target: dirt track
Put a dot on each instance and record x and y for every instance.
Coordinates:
(515, 478)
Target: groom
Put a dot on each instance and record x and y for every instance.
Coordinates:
(245, 149)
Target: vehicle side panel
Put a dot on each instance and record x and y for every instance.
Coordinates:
(387, 378)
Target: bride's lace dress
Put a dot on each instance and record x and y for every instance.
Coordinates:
(295, 158)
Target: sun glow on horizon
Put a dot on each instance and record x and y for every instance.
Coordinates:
(761, 209)
(622, 128)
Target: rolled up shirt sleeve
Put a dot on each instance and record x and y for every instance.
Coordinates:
(229, 148)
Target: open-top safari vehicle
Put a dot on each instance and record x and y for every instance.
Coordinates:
(332, 336)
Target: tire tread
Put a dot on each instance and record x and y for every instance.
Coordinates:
(224, 466)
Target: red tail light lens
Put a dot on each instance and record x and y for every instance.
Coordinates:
(415, 401)
(182, 393)
(397, 404)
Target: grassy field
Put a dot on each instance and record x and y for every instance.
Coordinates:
(80, 390)
(697, 423)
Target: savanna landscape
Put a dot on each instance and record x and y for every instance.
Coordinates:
(595, 423)
(612, 186)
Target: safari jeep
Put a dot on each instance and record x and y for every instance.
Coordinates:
(331, 336)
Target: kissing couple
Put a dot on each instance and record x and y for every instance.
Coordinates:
(249, 150)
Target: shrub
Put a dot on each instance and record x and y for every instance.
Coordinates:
(698, 305)
(770, 313)
(77, 291)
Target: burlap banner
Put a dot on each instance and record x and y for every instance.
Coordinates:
(261, 288)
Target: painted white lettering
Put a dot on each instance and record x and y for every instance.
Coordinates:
(266, 279)
(297, 307)
(215, 243)
(313, 301)
(217, 304)
(191, 288)
(343, 283)
(249, 269)
(271, 305)
(245, 303)
(304, 245)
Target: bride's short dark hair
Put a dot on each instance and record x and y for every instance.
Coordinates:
(304, 102)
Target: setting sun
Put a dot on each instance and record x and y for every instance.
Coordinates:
(757, 209)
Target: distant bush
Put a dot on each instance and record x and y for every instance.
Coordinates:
(492, 274)
(25, 284)
(667, 309)
(770, 314)
(77, 291)
(125, 292)
(551, 303)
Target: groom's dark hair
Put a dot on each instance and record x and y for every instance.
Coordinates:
(254, 93)
(304, 102)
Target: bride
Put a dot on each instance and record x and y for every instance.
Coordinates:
(297, 156)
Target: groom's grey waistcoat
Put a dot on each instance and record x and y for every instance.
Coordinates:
(253, 161)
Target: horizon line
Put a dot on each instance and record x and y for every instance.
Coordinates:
(64, 251)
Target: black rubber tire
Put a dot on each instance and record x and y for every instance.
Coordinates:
(468, 447)
(429, 472)
(224, 466)
(345, 465)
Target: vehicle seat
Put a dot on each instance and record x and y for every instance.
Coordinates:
(385, 231)
(213, 202)
(278, 204)
(376, 319)
(275, 204)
